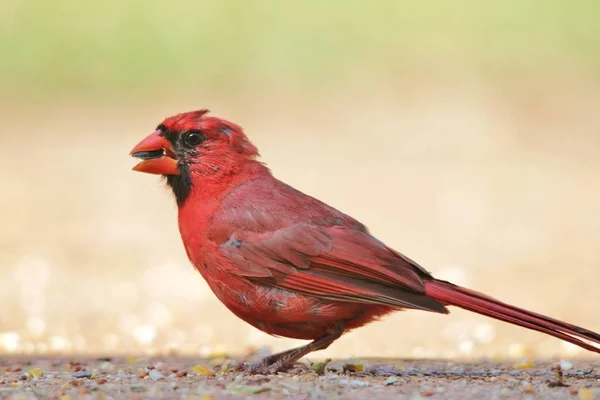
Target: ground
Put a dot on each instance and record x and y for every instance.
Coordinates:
(187, 378)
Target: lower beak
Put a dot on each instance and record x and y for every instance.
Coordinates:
(157, 154)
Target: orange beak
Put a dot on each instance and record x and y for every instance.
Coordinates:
(157, 154)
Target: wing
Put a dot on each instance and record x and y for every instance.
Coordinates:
(333, 262)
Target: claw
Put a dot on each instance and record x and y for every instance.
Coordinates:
(264, 368)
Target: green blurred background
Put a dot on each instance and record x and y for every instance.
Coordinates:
(464, 134)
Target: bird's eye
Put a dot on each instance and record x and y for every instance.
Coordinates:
(193, 138)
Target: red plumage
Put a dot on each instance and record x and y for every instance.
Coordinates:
(287, 263)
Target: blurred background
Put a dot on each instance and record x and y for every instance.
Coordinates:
(464, 134)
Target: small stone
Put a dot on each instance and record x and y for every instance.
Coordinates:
(82, 374)
(390, 381)
(573, 390)
(565, 365)
(524, 364)
(36, 372)
(107, 366)
(585, 394)
(247, 389)
(202, 370)
(155, 374)
(354, 383)
(353, 368)
(76, 382)
(528, 388)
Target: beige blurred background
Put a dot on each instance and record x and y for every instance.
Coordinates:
(464, 134)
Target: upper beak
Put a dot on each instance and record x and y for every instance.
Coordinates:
(157, 154)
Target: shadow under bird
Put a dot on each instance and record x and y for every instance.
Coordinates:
(287, 263)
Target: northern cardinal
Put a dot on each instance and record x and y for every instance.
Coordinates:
(285, 262)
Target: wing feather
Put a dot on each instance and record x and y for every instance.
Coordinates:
(334, 262)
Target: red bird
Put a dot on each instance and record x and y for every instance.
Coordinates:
(285, 262)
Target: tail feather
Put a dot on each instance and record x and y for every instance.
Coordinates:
(471, 300)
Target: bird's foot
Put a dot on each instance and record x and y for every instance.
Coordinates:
(266, 366)
(285, 360)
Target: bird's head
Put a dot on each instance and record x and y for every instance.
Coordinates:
(193, 147)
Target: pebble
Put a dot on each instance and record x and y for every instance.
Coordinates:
(565, 365)
(528, 388)
(155, 374)
(390, 381)
(36, 372)
(585, 394)
(82, 374)
(354, 382)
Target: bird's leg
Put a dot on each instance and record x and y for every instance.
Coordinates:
(282, 361)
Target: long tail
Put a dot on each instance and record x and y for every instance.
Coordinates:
(471, 300)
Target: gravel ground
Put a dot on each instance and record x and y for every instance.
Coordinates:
(186, 378)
